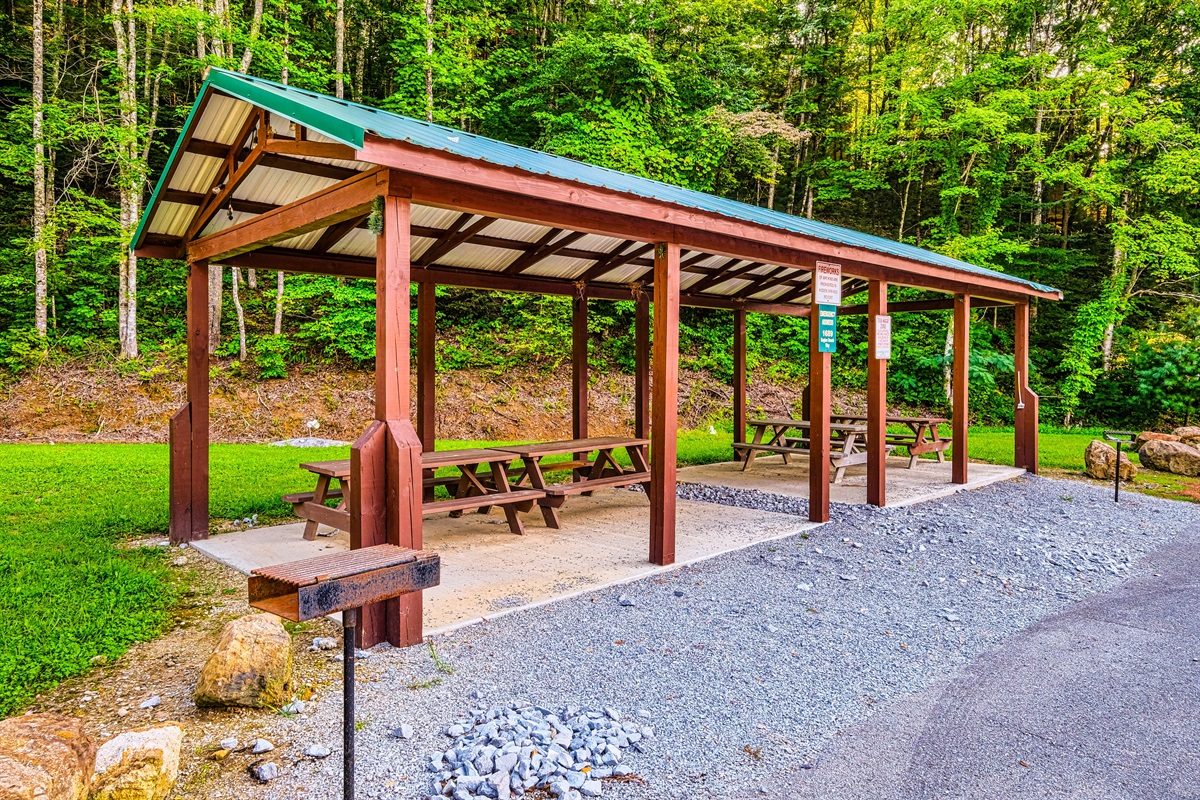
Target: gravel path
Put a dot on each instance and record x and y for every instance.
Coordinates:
(748, 663)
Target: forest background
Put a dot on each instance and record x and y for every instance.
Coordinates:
(1056, 140)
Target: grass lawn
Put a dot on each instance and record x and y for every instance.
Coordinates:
(76, 587)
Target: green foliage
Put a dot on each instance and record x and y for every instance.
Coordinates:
(1167, 366)
(270, 354)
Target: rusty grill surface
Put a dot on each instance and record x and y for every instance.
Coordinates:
(338, 565)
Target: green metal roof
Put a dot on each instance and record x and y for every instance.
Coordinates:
(349, 122)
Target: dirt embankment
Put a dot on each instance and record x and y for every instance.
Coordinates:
(76, 402)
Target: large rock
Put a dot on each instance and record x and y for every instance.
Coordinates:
(138, 765)
(1189, 435)
(45, 757)
(252, 665)
(1100, 461)
(1174, 457)
(1151, 436)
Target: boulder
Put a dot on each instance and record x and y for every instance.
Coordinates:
(1189, 435)
(138, 765)
(45, 756)
(1175, 457)
(1151, 436)
(1100, 460)
(252, 665)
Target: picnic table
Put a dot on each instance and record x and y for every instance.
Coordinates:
(922, 436)
(469, 489)
(588, 474)
(846, 442)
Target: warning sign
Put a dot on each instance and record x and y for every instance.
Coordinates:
(883, 337)
(826, 329)
(827, 284)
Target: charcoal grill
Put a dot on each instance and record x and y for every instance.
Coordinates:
(346, 581)
(1120, 437)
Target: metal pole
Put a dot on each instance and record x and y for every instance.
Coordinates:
(349, 622)
(1117, 482)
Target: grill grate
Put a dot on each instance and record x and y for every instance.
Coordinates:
(338, 565)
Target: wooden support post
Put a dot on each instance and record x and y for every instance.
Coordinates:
(665, 403)
(391, 447)
(819, 395)
(1025, 415)
(876, 400)
(739, 381)
(641, 370)
(189, 427)
(962, 358)
(579, 367)
(426, 372)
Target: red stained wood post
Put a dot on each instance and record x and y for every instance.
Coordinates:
(189, 426)
(820, 406)
(1025, 415)
(739, 381)
(579, 368)
(641, 371)
(665, 403)
(386, 460)
(962, 357)
(877, 303)
(426, 371)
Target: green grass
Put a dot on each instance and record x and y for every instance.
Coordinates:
(74, 589)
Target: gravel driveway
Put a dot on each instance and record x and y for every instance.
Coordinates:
(748, 663)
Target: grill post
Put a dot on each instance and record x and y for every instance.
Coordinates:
(349, 622)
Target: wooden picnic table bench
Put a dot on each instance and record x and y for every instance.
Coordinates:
(922, 436)
(846, 443)
(471, 489)
(588, 474)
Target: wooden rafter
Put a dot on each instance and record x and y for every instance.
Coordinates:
(802, 288)
(618, 258)
(455, 235)
(335, 233)
(543, 249)
(232, 172)
(764, 282)
(723, 274)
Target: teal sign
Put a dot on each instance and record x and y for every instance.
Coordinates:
(826, 329)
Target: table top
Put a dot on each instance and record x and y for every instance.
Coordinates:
(904, 420)
(805, 424)
(573, 445)
(439, 458)
(336, 469)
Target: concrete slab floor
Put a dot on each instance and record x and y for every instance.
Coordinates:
(928, 480)
(487, 570)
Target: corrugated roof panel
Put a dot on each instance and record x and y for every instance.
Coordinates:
(304, 241)
(627, 274)
(560, 267)
(417, 246)
(732, 286)
(772, 293)
(517, 231)
(195, 173)
(430, 217)
(597, 244)
(474, 256)
(172, 218)
(223, 117)
(279, 186)
(221, 220)
(348, 122)
(359, 242)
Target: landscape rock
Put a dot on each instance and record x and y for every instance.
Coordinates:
(138, 765)
(261, 746)
(1150, 436)
(318, 751)
(252, 665)
(1100, 459)
(1175, 457)
(45, 756)
(1188, 435)
(263, 771)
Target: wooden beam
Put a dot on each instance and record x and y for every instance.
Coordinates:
(820, 407)
(914, 306)
(1025, 413)
(448, 181)
(579, 367)
(335, 233)
(427, 365)
(230, 175)
(307, 149)
(544, 248)
(876, 402)
(739, 381)
(196, 198)
(962, 360)
(665, 404)
(197, 395)
(615, 260)
(641, 369)
(723, 273)
(368, 517)
(275, 160)
(768, 281)
(802, 287)
(342, 201)
(455, 235)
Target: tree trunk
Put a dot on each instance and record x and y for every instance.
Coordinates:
(130, 169)
(339, 51)
(1038, 185)
(39, 169)
(201, 41)
(237, 307)
(248, 53)
(948, 364)
(429, 60)
(1118, 269)
(279, 302)
(216, 281)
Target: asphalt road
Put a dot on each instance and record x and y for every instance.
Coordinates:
(1100, 701)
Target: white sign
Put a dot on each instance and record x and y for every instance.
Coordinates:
(883, 337)
(827, 284)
